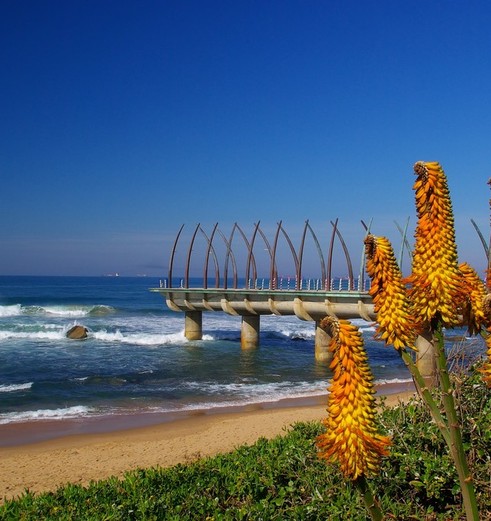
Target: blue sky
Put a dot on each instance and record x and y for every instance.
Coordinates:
(121, 120)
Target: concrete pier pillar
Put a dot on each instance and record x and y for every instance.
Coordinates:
(193, 329)
(425, 358)
(249, 332)
(322, 340)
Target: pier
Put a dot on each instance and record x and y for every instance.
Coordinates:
(249, 297)
(251, 304)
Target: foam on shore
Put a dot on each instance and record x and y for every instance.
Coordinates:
(52, 427)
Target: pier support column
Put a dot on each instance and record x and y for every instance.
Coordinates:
(193, 329)
(425, 358)
(322, 340)
(249, 332)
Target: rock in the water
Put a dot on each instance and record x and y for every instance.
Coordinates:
(77, 332)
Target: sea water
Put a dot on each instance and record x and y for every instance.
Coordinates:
(136, 358)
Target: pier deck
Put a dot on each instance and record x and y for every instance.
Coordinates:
(250, 304)
(306, 305)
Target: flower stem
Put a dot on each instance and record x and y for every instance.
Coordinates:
(455, 439)
(370, 501)
(426, 395)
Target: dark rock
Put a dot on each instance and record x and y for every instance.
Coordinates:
(77, 332)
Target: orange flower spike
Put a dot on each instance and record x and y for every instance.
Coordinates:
(351, 436)
(395, 321)
(473, 305)
(486, 367)
(435, 279)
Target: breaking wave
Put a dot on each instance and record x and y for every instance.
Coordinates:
(15, 387)
(76, 411)
(69, 311)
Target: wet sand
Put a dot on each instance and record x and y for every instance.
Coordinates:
(42, 456)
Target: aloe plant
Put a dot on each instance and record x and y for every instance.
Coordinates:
(439, 293)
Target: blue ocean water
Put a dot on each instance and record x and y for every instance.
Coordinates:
(136, 358)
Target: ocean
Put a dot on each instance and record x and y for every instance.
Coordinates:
(136, 359)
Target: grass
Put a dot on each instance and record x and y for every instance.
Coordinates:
(282, 478)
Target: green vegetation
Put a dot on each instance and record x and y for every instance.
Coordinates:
(283, 479)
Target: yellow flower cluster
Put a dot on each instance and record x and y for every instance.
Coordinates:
(395, 321)
(435, 278)
(351, 437)
(475, 297)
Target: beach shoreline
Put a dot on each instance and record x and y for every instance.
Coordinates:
(36, 431)
(47, 455)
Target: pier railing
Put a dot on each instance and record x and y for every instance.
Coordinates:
(287, 284)
(236, 260)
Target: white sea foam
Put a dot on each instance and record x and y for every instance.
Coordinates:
(143, 339)
(271, 391)
(76, 411)
(15, 387)
(260, 393)
(76, 311)
(240, 401)
(298, 334)
(10, 311)
(65, 312)
(251, 392)
(389, 381)
(31, 335)
(55, 332)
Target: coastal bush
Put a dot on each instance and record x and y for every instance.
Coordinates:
(284, 479)
(412, 314)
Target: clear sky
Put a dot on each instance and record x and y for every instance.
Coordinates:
(122, 120)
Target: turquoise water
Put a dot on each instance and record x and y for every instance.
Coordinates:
(136, 358)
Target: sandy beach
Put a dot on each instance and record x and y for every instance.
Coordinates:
(92, 456)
